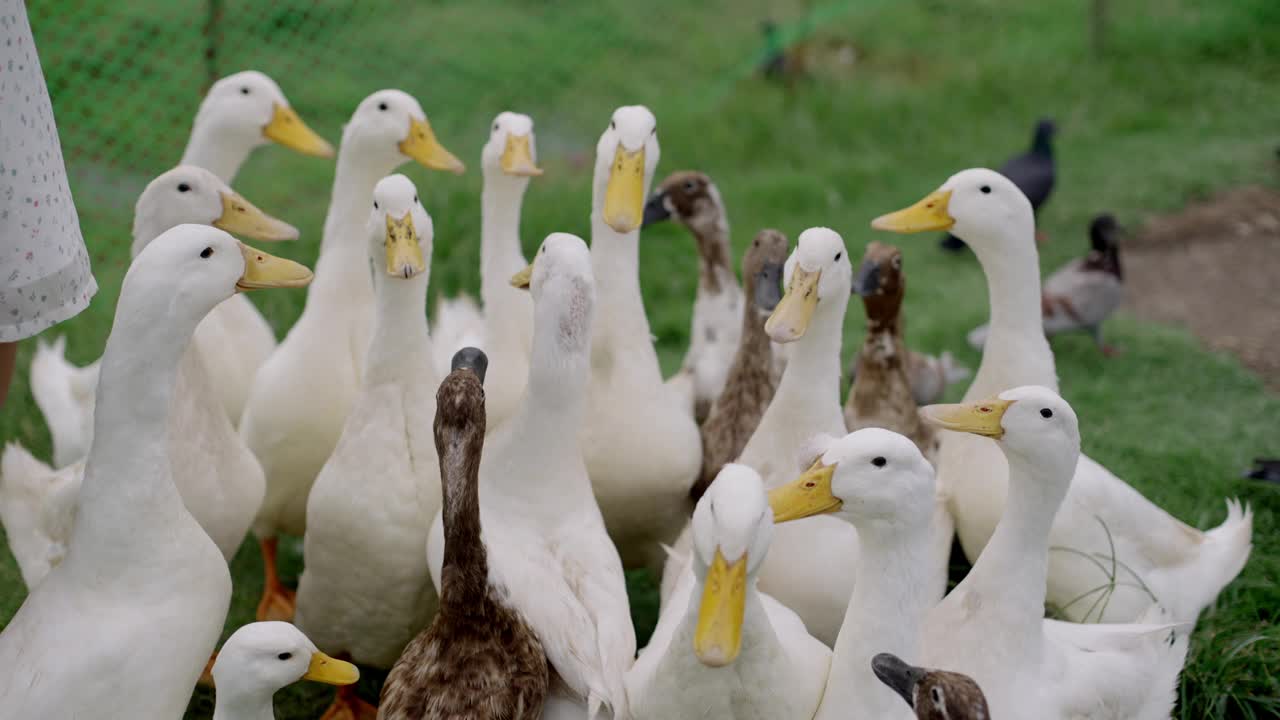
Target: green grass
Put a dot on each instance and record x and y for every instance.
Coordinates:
(1182, 104)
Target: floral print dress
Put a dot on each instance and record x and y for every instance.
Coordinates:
(44, 268)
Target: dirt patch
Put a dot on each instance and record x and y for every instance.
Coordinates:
(1213, 268)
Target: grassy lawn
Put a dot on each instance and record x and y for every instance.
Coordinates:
(1182, 103)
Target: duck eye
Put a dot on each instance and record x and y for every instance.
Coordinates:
(839, 255)
(986, 189)
(183, 187)
(375, 204)
(285, 655)
(688, 185)
(382, 106)
(613, 125)
(495, 127)
(206, 253)
(936, 694)
(879, 461)
(244, 91)
(415, 199)
(1046, 413)
(654, 131)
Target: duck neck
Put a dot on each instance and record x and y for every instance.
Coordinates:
(500, 253)
(715, 271)
(342, 273)
(401, 345)
(243, 706)
(1016, 559)
(145, 229)
(127, 475)
(1016, 352)
(813, 368)
(882, 616)
(559, 366)
(465, 569)
(221, 153)
(622, 337)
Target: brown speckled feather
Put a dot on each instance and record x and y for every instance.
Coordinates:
(751, 382)
(881, 394)
(479, 659)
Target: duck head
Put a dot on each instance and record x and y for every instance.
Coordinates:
(880, 282)
(560, 278)
(263, 657)
(511, 150)
(732, 527)
(980, 206)
(691, 199)
(818, 276)
(872, 478)
(762, 269)
(400, 230)
(1104, 241)
(933, 694)
(389, 128)
(1031, 422)
(460, 418)
(190, 194)
(626, 157)
(248, 109)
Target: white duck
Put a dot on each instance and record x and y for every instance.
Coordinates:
(240, 113)
(508, 161)
(1103, 522)
(263, 657)
(125, 624)
(218, 478)
(639, 438)
(366, 515)
(806, 569)
(879, 482)
(722, 648)
(544, 533)
(302, 394)
(991, 626)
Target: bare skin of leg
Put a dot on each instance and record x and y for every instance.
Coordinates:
(206, 677)
(278, 602)
(1041, 238)
(8, 354)
(347, 705)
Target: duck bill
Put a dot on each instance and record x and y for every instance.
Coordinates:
(288, 129)
(898, 675)
(806, 496)
(330, 671)
(422, 146)
(517, 157)
(624, 195)
(980, 418)
(868, 281)
(928, 214)
(404, 252)
(769, 286)
(264, 270)
(522, 279)
(790, 319)
(718, 636)
(241, 217)
(655, 210)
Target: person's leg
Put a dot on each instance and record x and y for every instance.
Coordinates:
(8, 355)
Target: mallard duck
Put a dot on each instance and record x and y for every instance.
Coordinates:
(723, 649)
(218, 478)
(290, 425)
(932, 694)
(693, 200)
(124, 625)
(508, 162)
(1032, 171)
(366, 514)
(991, 625)
(639, 438)
(750, 384)
(880, 483)
(1162, 558)
(545, 538)
(1082, 294)
(263, 657)
(480, 659)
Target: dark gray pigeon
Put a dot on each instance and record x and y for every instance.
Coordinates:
(1033, 172)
